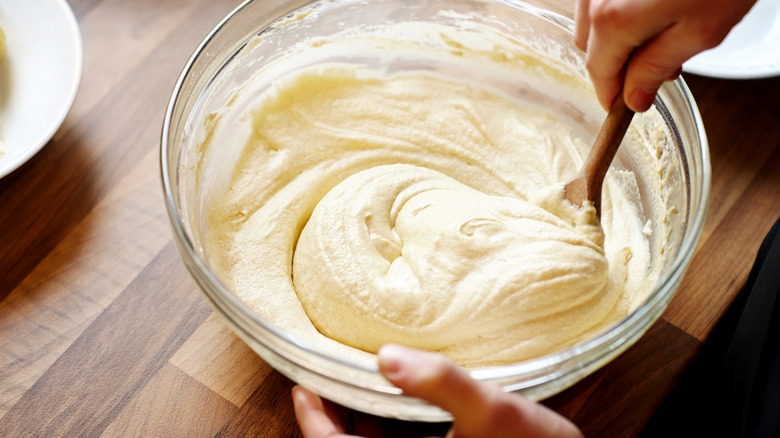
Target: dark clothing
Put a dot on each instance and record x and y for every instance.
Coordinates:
(732, 388)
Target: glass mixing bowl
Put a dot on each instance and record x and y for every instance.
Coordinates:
(258, 33)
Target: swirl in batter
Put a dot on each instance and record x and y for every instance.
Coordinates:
(370, 207)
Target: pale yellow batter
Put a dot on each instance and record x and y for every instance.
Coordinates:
(369, 207)
(399, 253)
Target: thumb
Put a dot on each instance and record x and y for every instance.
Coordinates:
(479, 409)
(433, 378)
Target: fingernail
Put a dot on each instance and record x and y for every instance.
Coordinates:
(298, 394)
(391, 359)
(641, 100)
(675, 75)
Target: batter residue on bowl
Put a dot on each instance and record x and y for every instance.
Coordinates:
(370, 206)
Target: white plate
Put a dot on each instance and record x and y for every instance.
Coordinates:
(751, 50)
(39, 75)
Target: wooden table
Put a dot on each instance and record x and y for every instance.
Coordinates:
(102, 332)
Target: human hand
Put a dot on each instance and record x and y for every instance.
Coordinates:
(478, 409)
(647, 41)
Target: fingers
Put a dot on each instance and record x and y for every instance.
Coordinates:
(316, 418)
(581, 24)
(433, 378)
(656, 62)
(478, 409)
(638, 45)
(617, 29)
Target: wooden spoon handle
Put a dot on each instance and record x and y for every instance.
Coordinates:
(606, 146)
(587, 184)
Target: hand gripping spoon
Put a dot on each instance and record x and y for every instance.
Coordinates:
(586, 184)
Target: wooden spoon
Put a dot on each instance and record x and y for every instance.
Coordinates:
(586, 184)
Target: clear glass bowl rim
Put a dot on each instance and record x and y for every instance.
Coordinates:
(523, 376)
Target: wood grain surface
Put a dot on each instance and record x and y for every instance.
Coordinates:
(103, 333)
